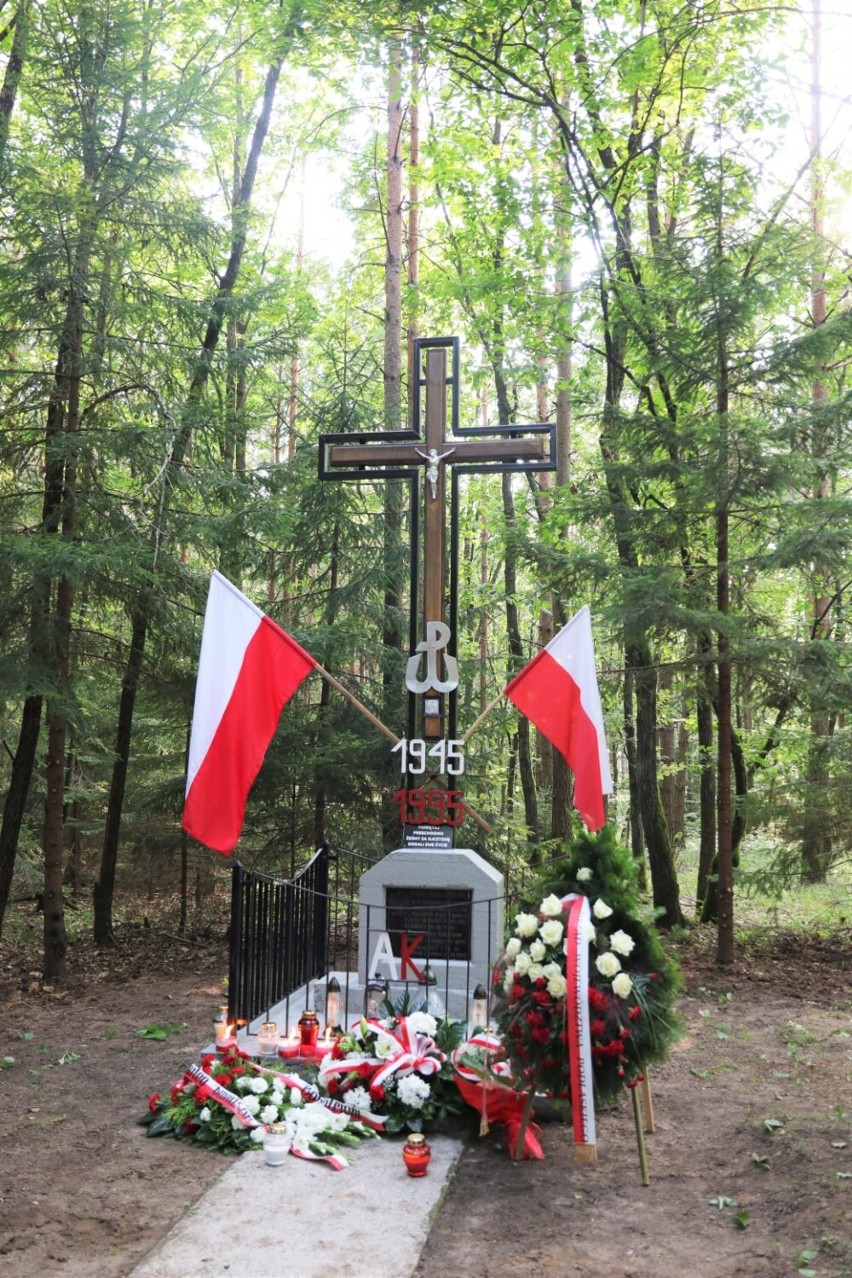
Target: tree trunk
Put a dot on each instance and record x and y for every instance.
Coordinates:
(12, 76)
(142, 607)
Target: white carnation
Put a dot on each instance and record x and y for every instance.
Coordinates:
(257, 1134)
(259, 1086)
(296, 1097)
(237, 1123)
(359, 1098)
(422, 1023)
(413, 1091)
(584, 874)
(607, 964)
(205, 1115)
(601, 910)
(269, 1114)
(252, 1104)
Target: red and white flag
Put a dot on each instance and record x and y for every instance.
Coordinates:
(558, 692)
(248, 670)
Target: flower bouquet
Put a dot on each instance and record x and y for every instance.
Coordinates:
(631, 982)
(228, 1103)
(396, 1066)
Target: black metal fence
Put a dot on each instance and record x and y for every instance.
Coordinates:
(286, 932)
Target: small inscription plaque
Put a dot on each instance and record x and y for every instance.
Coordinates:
(429, 838)
(442, 915)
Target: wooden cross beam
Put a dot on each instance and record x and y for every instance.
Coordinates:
(408, 454)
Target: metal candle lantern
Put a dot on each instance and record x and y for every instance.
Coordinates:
(479, 1009)
(332, 1005)
(375, 992)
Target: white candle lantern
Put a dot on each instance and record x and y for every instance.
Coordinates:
(332, 1005)
(267, 1038)
(276, 1144)
(478, 1009)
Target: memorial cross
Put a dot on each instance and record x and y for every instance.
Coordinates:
(405, 454)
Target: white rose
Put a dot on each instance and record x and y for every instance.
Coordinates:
(557, 986)
(526, 924)
(607, 964)
(537, 951)
(508, 982)
(550, 970)
(551, 932)
(591, 932)
(622, 943)
(296, 1097)
(513, 946)
(534, 971)
(522, 963)
(584, 874)
(422, 1023)
(622, 985)
(601, 910)
(551, 905)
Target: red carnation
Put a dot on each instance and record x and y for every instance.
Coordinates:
(540, 983)
(207, 1063)
(597, 1029)
(597, 999)
(635, 1012)
(332, 1087)
(154, 1101)
(541, 1034)
(377, 1092)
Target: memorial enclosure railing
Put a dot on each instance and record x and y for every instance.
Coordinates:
(286, 935)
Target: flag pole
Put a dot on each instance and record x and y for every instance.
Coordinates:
(391, 736)
(485, 713)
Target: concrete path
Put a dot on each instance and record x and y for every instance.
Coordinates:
(304, 1220)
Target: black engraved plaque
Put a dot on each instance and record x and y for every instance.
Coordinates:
(442, 915)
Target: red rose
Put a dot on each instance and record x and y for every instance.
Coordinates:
(540, 982)
(332, 1087)
(541, 1035)
(154, 1101)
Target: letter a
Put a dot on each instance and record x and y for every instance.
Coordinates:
(383, 954)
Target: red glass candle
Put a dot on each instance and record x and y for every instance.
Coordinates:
(416, 1154)
(308, 1031)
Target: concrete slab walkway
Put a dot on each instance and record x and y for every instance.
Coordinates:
(303, 1220)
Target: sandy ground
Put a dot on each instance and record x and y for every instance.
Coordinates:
(751, 1160)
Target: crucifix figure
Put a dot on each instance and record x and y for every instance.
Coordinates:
(405, 454)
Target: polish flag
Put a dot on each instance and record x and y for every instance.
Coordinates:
(247, 672)
(558, 692)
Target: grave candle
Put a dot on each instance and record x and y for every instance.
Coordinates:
(289, 1049)
(267, 1038)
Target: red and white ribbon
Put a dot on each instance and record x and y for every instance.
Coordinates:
(576, 916)
(234, 1105)
(310, 1093)
(417, 1054)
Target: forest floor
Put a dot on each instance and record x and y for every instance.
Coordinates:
(751, 1161)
